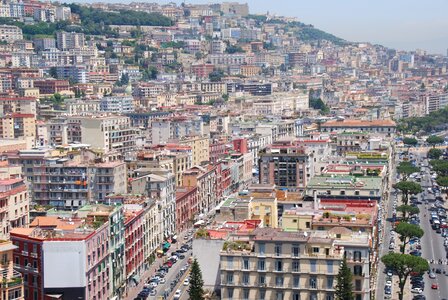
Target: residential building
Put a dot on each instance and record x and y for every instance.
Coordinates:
(9, 33)
(117, 104)
(12, 280)
(69, 40)
(14, 205)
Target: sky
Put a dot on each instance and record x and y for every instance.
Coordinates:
(399, 24)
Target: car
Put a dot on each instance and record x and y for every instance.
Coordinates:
(419, 297)
(389, 273)
(153, 284)
(438, 271)
(391, 246)
(177, 294)
(162, 280)
(389, 283)
(434, 286)
(152, 293)
(432, 275)
(181, 256)
(186, 281)
(388, 290)
(417, 290)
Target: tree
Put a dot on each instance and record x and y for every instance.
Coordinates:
(57, 100)
(407, 211)
(344, 283)
(408, 188)
(124, 80)
(406, 232)
(403, 265)
(440, 166)
(434, 153)
(433, 140)
(443, 182)
(319, 104)
(216, 75)
(196, 290)
(53, 72)
(410, 141)
(406, 168)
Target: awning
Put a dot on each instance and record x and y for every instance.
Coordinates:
(136, 278)
(166, 245)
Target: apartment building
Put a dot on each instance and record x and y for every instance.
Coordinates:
(12, 280)
(285, 164)
(17, 125)
(108, 133)
(384, 127)
(51, 86)
(9, 33)
(274, 264)
(70, 184)
(163, 130)
(159, 184)
(117, 104)
(69, 40)
(200, 146)
(20, 105)
(186, 207)
(78, 107)
(14, 205)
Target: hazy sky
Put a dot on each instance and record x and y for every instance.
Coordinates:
(400, 24)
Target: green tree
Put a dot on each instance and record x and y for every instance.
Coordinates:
(53, 72)
(225, 97)
(57, 100)
(403, 265)
(410, 141)
(407, 210)
(443, 182)
(440, 166)
(344, 283)
(406, 232)
(406, 168)
(124, 80)
(196, 289)
(216, 75)
(319, 104)
(408, 188)
(434, 140)
(434, 153)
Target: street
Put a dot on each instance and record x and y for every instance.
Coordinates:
(432, 243)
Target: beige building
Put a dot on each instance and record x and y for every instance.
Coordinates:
(274, 264)
(12, 281)
(200, 148)
(18, 125)
(108, 133)
(14, 205)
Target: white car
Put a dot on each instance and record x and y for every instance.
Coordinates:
(417, 290)
(389, 283)
(186, 281)
(177, 294)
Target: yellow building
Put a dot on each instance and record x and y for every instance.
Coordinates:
(265, 209)
(18, 125)
(249, 71)
(294, 220)
(199, 147)
(11, 286)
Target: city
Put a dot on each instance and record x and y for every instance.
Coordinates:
(203, 151)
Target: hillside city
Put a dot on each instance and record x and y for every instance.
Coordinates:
(198, 151)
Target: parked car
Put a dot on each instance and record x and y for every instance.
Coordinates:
(434, 286)
(432, 275)
(417, 290)
(177, 294)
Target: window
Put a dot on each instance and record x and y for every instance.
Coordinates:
(315, 249)
(245, 264)
(261, 265)
(278, 266)
(261, 248)
(295, 250)
(245, 294)
(330, 281)
(296, 296)
(356, 193)
(279, 281)
(278, 249)
(295, 266)
(261, 280)
(358, 285)
(230, 293)
(313, 267)
(342, 193)
(230, 262)
(245, 279)
(313, 282)
(357, 255)
(296, 281)
(308, 224)
(262, 295)
(357, 270)
(329, 297)
(330, 267)
(229, 277)
(279, 296)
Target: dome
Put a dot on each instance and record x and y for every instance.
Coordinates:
(128, 90)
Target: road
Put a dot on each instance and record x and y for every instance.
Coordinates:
(432, 243)
(386, 213)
